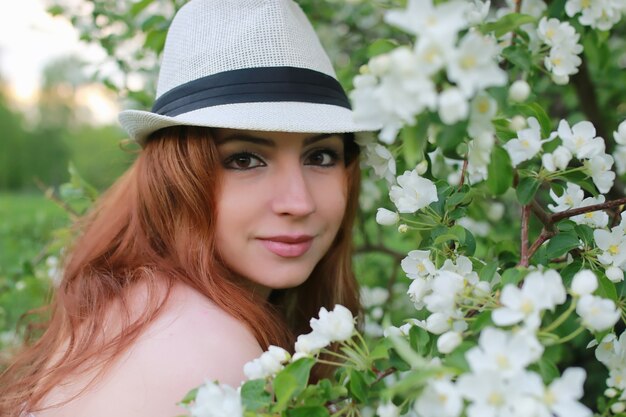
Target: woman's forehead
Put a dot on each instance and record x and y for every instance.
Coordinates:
(270, 138)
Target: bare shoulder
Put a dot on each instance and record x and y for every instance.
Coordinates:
(191, 341)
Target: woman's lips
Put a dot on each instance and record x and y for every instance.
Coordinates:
(287, 247)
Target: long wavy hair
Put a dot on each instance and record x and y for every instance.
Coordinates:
(155, 226)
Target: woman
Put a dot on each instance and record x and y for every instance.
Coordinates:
(229, 232)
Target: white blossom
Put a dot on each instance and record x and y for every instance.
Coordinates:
(268, 364)
(216, 400)
(540, 291)
(614, 274)
(613, 246)
(594, 219)
(440, 398)
(417, 264)
(561, 397)
(599, 167)
(473, 66)
(599, 14)
(413, 192)
(571, 198)
(619, 155)
(388, 409)
(597, 313)
(310, 344)
(453, 106)
(422, 18)
(620, 134)
(433, 53)
(386, 217)
(336, 325)
(559, 159)
(417, 291)
(527, 144)
(581, 139)
(504, 352)
(382, 161)
(584, 282)
(562, 63)
(373, 296)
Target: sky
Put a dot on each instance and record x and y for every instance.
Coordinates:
(29, 38)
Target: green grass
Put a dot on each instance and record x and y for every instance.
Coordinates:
(27, 222)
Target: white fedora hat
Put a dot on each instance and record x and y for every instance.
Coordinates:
(245, 64)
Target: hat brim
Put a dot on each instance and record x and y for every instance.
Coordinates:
(275, 116)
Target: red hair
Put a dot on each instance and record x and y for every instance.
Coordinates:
(156, 225)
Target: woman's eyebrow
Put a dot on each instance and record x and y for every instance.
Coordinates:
(243, 137)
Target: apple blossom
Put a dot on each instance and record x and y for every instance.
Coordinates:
(557, 160)
(382, 161)
(413, 192)
(453, 106)
(581, 139)
(571, 198)
(597, 313)
(599, 167)
(388, 409)
(216, 400)
(417, 264)
(614, 274)
(422, 18)
(527, 144)
(336, 325)
(440, 398)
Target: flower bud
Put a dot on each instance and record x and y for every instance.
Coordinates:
(560, 79)
(386, 217)
(421, 167)
(380, 64)
(495, 211)
(618, 407)
(448, 341)
(517, 123)
(584, 282)
(519, 91)
(403, 228)
(614, 274)
(453, 106)
(610, 392)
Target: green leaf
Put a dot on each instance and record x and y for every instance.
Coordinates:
(512, 276)
(518, 56)
(381, 46)
(357, 386)
(535, 110)
(380, 350)
(254, 396)
(455, 199)
(291, 381)
(482, 320)
(499, 171)
(606, 288)
(414, 141)
(317, 411)
(488, 271)
(155, 22)
(136, 8)
(548, 370)
(450, 137)
(526, 189)
(155, 40)
(191, 395)
(506, 24)
(419, 338)
(56, 10)
(562, 243)
(585, 233)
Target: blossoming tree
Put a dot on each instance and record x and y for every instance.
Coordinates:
(496, 178)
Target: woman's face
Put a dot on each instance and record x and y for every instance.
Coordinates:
(280, 205)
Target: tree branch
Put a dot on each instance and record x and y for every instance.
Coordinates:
(524, 244)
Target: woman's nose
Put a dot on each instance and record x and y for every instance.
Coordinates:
(292, 193)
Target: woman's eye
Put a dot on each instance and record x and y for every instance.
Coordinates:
(243, 161)
(323, 158)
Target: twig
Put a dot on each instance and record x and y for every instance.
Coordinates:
(379, 248)
(382, 374)
(463, 172)
(541, 214)
(49, 193)
(524, 243)
(582, 210)
(543, 236)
